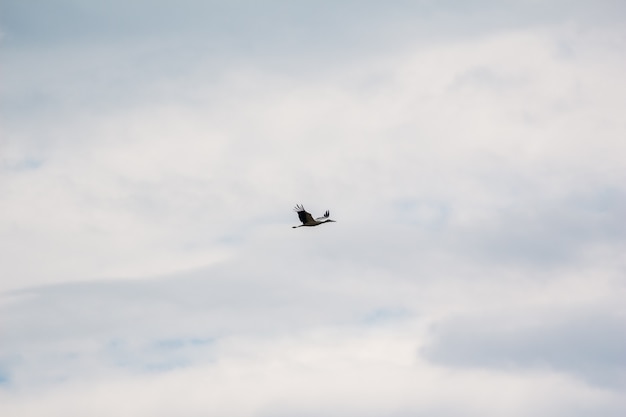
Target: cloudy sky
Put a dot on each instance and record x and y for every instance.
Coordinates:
(472, 153)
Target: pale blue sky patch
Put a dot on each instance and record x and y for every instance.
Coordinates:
(158, 355)
(23, 165)
(385, 315)
(170, 344)
(148, 360)
(5, 378)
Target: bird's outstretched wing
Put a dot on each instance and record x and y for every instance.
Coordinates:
(324, 217)
(305, 216)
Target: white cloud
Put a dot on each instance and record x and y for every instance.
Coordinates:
(476, 179)
(326, 371)
(166, 176)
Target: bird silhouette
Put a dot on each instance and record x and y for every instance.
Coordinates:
(308, 220)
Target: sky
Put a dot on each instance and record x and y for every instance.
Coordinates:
(472, 155)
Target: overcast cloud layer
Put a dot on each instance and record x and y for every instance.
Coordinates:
(472, 154)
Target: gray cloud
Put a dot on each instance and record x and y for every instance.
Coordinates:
(590, 346)
(544, 233)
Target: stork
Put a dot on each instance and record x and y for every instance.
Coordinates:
(308, 220)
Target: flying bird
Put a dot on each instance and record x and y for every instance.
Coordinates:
(308, 220)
